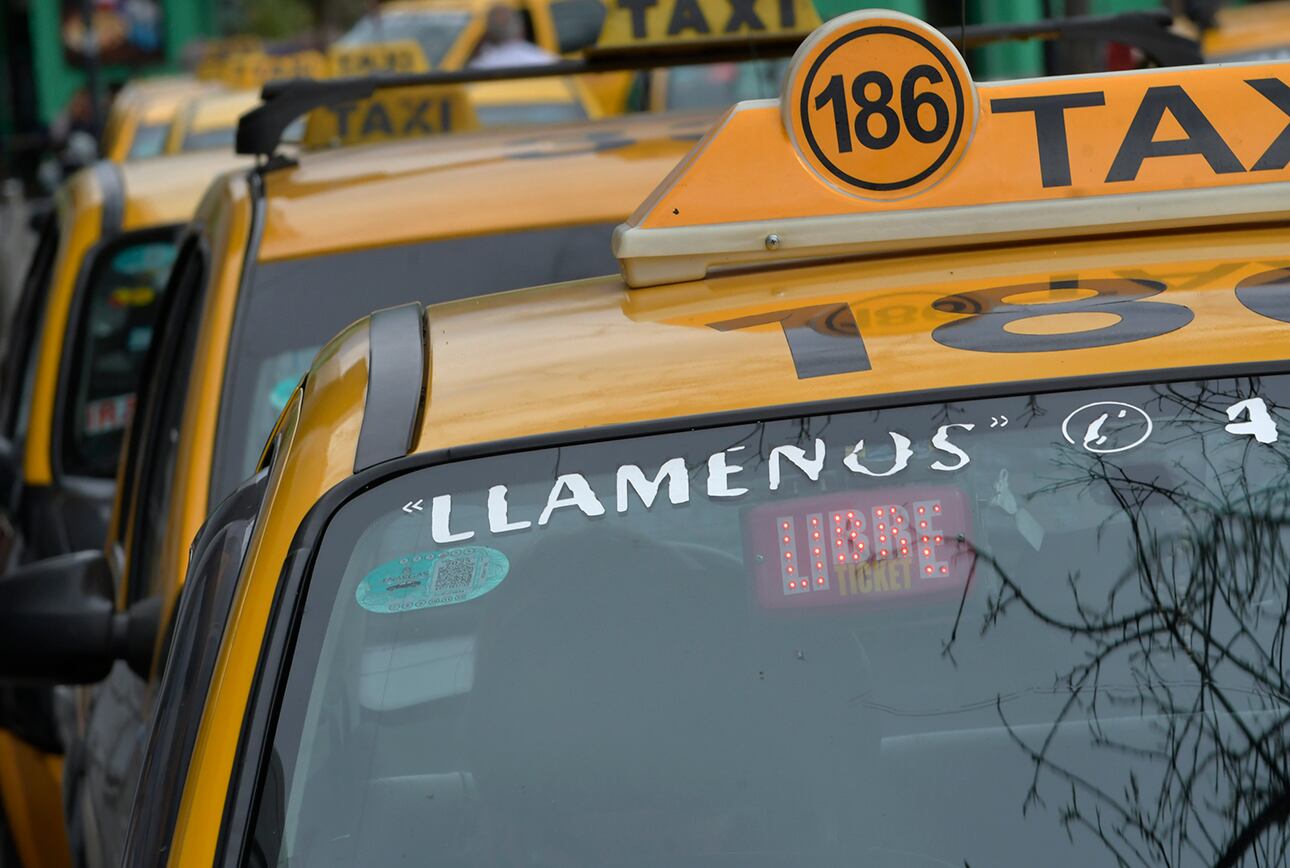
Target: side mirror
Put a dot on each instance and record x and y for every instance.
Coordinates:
(59, 624)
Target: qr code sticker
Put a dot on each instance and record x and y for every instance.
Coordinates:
(454, 574)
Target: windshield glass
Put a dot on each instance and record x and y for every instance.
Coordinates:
(436, 32)
(149, 141)
(1047, 629)
(215, 139)
(112, 336)
(720, 85)
(320, 295)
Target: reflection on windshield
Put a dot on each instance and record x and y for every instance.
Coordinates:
(1006, 632)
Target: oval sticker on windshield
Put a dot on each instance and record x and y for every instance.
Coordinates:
(425, 580)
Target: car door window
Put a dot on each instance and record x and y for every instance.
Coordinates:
(150, 463)
(110, 336)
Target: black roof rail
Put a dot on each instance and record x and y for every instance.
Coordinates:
(259, 131)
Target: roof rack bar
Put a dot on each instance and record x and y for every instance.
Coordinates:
(259, 131)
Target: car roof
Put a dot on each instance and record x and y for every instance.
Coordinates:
(597, 354)
(466, 184)
(1247, 29)
(167, 189)
(219, 109)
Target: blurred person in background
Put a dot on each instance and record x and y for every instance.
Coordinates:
(504, 44)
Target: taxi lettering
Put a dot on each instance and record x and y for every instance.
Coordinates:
(635, 22)
(1140, 143)
(730, 16)
(875, 577)
(825, 340)
(408, 117)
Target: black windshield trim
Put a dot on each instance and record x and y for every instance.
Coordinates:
(396, 368)
(277, 645)
(250, 259)
(108, 175)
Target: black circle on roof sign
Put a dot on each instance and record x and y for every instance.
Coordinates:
(955, 134)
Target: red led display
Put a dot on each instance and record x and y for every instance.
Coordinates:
(879, 547)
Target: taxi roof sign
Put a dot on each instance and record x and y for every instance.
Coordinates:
(652, 24)
(260, 130)
(875, 147)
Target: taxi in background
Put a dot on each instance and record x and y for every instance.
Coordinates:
(141, 115)
(277, 261)
(1258, 31)
(497, 103)
(915, 496)
(81, 333)
(449, 32)
(208, 121)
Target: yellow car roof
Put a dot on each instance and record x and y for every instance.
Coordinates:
(208, 112)
(1249, 30)
(157, 101)
(719, 345)
(167, 189)
(530, 90)
(462, 184)
(220, 110)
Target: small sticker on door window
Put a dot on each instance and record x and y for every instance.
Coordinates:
(425, 580)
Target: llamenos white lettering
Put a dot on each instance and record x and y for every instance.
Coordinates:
(632, 482)
(678, 483)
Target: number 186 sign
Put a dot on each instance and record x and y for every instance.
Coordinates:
(879, 104)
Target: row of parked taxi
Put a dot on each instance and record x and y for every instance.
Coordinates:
(673, 487)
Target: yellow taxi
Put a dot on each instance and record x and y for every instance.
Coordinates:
(142, 113)
(276, 262)
(914, 496)
(208, 121)
(1258, 31)
(82, 331)
(449, 31)
(417, 111)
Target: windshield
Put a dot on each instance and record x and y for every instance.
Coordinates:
(215, 139)
(149, 141)
(1040, 630)
(436, 32)
(721, 85)
(111, 340)
(320, 295)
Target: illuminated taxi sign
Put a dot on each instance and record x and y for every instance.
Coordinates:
(888, 171)
(860, 548)
(880, 108)
(639, 23)
(402, 55)
(396, 113)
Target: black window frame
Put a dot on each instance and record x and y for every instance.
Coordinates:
(200, 619)
(27, 324)
(162, 392)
